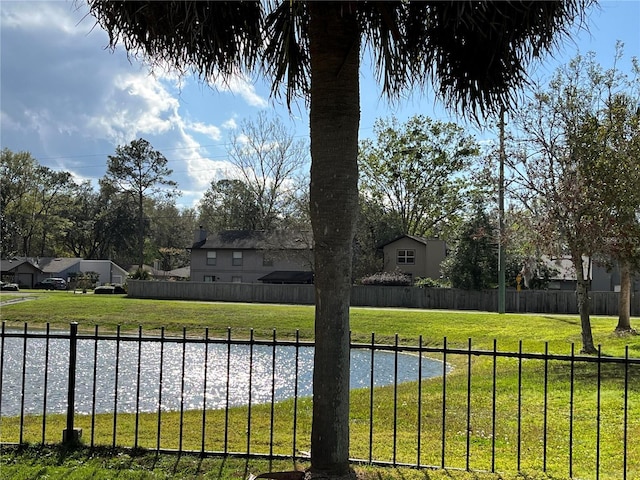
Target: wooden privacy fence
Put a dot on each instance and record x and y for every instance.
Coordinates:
(424, 406)
(526, 301)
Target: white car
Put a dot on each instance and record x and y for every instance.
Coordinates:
(11, 287)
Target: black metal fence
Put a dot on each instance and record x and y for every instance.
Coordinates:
(424, 406)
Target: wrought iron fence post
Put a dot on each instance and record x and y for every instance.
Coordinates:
(72, 435)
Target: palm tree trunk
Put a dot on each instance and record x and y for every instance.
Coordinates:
(624, 302)
(334, 122)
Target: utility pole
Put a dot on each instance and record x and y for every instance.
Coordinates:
(501, 241)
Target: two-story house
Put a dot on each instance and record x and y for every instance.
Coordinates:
(247, 256)
(415, 256)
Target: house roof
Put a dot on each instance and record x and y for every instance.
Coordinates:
(133, 268)
(416, 238)
(13, 263)
(257, 240)
(48, 265)
(182, 272)
(55, 265)
(564, 267)
(287, 276)
(44, 264)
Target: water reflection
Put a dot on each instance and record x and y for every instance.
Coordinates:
(141, 386)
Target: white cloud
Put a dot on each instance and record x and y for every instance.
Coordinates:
(243, 139)
(41, 15)
(193, 160)
(241, 86)
(70, 101)
(131, 106)
(230, 124)
(210, 131)
(205, 170)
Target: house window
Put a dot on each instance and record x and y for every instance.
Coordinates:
(267, 260)
(236, 279)
(212, 257)
(209, 278)
(406, 257)
(237, 259)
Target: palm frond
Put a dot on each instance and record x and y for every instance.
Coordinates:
(475, 53)
(215, 39)
(286, 55)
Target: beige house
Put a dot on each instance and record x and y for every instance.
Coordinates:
(415, 256)
(246, 256)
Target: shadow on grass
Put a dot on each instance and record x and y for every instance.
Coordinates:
(612, 375)
(567, 320)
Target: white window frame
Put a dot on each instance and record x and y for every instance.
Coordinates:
(236, 258)
(212, 257)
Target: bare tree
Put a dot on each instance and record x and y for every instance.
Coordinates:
(269, 159)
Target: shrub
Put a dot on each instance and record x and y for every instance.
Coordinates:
(141, 274)
(83, 280)
(396, 278)
(427, 282)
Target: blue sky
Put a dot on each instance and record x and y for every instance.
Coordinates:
(69, 100)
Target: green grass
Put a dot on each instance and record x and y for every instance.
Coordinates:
(559, 331)
(58, 463)
(59, 308)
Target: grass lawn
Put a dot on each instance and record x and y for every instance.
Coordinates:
(536, 332)
(59, 308)
(57, 463)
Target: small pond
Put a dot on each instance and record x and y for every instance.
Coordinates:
(152, 392)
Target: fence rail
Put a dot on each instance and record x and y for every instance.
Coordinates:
(526, 301)
(455, 407)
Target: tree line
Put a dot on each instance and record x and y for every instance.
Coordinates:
(47, 213)
(573, 186)
(416, 178)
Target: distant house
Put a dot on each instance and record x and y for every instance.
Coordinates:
(414, 256)
(602, 278)
(563, 273)
(248, 256)
(29, 271)
(21, 271)
(156, 273)
(607, 279)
